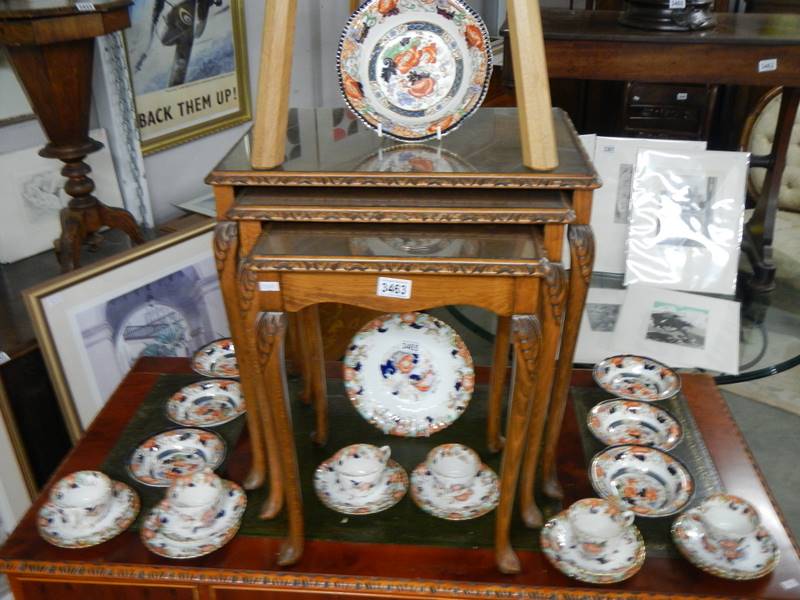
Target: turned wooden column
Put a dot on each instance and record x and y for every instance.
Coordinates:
(51, 45)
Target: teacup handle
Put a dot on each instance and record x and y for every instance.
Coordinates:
(627, 517)
(386, 452)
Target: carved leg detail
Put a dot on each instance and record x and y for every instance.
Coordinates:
(554, 291)
(119, 218)
(306, 370)
(581, 243)
(316, 373)
(294, 356)
(69, 245)
(527, 336)
(497, 381)
(271, 330)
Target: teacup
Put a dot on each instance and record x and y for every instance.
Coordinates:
(193, 501)
(728, 520)
(454, 466)
(596, 524)
(82, 499)
(359, 467)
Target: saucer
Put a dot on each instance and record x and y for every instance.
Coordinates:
(615, 422)
(561, 549)
(388, 492)
(123, 510)
(217, 359)
(648, 481)
(206, 403)
(636, 378)
(758, 556)
(200, 540)
(474, 501)
(173, 453)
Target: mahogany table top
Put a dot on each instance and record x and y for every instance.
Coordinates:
(355, 569)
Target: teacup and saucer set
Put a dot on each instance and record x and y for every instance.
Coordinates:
(200, 513)
(360, 479)
(724, 536)
(86, 508)
(594, 541)
(453, 484)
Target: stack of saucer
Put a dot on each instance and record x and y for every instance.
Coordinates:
(86, 508)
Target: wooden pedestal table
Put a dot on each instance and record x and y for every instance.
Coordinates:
(500, 269)
(51, 46)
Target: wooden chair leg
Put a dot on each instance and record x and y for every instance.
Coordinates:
(527, 338)
(294, 355)
(554, 291)
(497, 382)
(581, 244)
(316, 372)
(270, 330)
(226, 248)
(307, 393)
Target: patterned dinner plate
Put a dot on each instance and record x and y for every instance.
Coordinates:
(616, 422)
(206, 403)
(414, 69)
(174, 453)
(388, 492)
(409, 374)
(217, 359)
(636, 378)
(648, 481)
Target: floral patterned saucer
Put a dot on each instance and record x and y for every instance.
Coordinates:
(170, 454)
(415, 158)
(471, 502)
(636, 378)
(159, 539)
(408, 374)
(414, 69)
(122, 511)
(756, 556)
(206, 403)
(615, 422)
(388, 491)
(622, 561)
(217, 359)
(648, 481)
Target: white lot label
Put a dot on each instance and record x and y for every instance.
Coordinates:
(682, 96)
(394, 288)
(84, 6)
(269, 286)
(789, 584)
(677, 3)
(768, 64)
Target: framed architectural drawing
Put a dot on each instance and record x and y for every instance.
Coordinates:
(686, 219)
(158, 299)
(598, 325)
(679, 329)
(188, 63)
(614, 160)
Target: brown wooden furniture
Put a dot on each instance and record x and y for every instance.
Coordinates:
(475, 176)
(51, 45)
(246, 569)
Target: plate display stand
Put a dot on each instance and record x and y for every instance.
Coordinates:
(321, 228)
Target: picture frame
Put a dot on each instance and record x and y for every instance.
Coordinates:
(189, 70)
(599, 322)
(680, 329)
(158, 299)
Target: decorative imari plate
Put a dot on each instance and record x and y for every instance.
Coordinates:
(206, 403)
(756, 555)
(159, 538)
(615, 422)
(469, 502)
(636, 378)
(122, 511)
(414, 69)
(170, 454)
(648, 481)
(217, 359)
(622, 561)
(391, 488)
(408, 374)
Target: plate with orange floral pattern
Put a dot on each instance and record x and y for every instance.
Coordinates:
(414, 69)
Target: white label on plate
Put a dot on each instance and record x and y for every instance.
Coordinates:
(4, 358)
(768, 64)
(677, 3)
(412, 347)
(84, 6)
(394, 288)
(682, 96)
(269, 286)
(789, 584)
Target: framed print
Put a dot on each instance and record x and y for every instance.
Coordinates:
(614, 159)
(686, 220)
(598, 325)
(188, 63)
(158, 299)
(14, 105)
(204, 205)
(680, 329)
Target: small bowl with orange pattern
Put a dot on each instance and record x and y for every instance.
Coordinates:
(635, 377)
